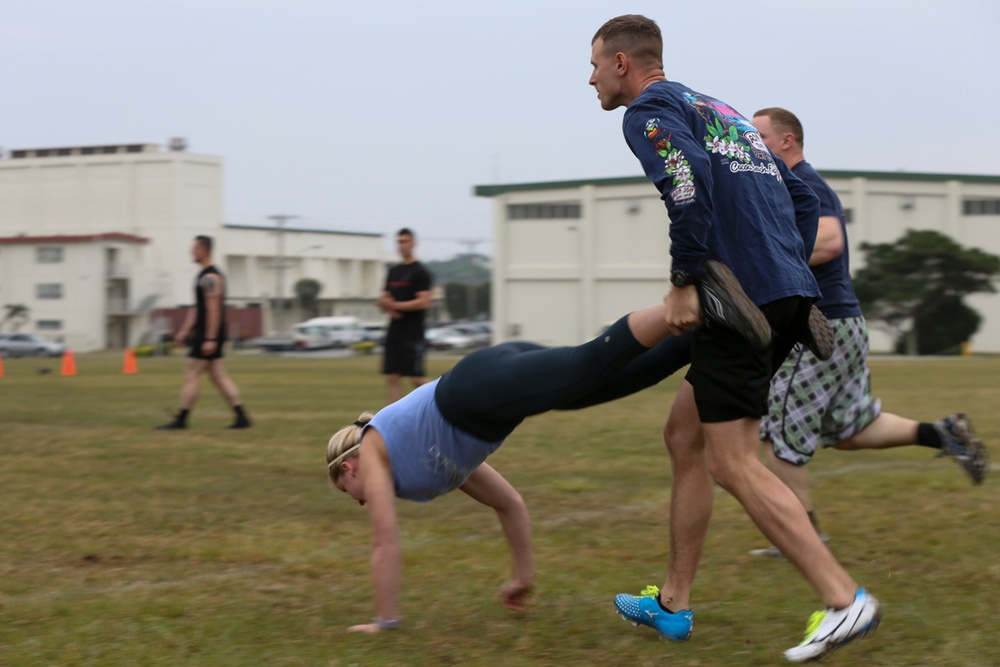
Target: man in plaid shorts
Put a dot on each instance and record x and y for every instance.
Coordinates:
(816, 403)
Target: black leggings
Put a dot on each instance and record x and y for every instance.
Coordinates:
(489, 392)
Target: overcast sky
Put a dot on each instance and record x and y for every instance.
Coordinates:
(376, 114)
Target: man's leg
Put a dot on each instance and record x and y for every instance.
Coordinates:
(731, 449)
(416, 351)
(794, 477)
(668, 610)
(888, 430)
(193, 368)
(229, 391)
(691, 498)
(394, 387)
(222, 382)
(952, 435)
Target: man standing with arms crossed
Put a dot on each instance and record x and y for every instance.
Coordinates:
(206, 324)
(727, 200)
(406, 298)
(816, 403)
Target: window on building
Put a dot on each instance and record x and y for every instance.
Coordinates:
(49, 291)
(981, 207)
(49, 254)
(848, 215)
(543, 211)
(48, 325)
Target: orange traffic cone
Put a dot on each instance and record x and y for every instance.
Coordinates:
(130, 365)
(69, 363)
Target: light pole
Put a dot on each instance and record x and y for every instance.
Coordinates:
(470, 292)
(279, 270)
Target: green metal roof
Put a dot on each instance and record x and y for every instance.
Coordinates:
(265, 228)
(494, 190)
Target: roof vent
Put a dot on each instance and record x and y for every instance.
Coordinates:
(178, 144)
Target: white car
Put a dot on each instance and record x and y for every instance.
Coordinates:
(29, 345)
(481, 333)
(323, 332)
(446, 338)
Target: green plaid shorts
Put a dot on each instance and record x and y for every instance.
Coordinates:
(815, 403)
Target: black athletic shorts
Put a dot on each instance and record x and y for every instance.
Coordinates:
(404, 357)
(731, 379)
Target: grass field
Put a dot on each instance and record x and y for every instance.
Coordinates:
(126, 546)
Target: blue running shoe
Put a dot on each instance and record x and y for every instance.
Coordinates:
(959, 441)
(645, 610)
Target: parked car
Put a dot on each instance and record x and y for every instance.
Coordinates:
(446, 338)
(29, 345)
(321, 332)
(481, 333)
(375, 332)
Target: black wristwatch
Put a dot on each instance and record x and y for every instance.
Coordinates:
(681, 278)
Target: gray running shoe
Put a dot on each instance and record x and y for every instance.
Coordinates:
(775, 552)
(725, 304)
(819, 337)
(959, 441)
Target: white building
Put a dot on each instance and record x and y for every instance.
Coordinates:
(93, 238)
(573, 256)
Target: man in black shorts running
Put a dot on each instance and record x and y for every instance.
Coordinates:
(728, 200)
(406, 297)
(204, 330)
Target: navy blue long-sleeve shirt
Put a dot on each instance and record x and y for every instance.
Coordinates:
(727, 198)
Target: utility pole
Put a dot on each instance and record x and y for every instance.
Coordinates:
(279, 271)
(470, 292)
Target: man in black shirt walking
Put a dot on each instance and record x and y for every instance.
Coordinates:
(206, 326)
(407, 295)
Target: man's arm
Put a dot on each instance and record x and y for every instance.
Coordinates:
(829, 241)
(421, 301)
(422, 294)
(385, 302)
(211, 285)
(678, 165)
(185, 329)
(806, 205)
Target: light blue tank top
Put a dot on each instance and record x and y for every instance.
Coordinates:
(429, 457)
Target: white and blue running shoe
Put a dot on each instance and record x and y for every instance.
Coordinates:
(830, 629)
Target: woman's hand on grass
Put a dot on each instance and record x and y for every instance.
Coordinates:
(370, 628)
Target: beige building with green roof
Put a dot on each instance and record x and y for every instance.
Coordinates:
(572, 256)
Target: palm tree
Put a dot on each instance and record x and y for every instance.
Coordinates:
(16, 315)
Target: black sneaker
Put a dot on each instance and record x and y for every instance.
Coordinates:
(725, 304)
(241, 422)
(819, 337)
(959, 442)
